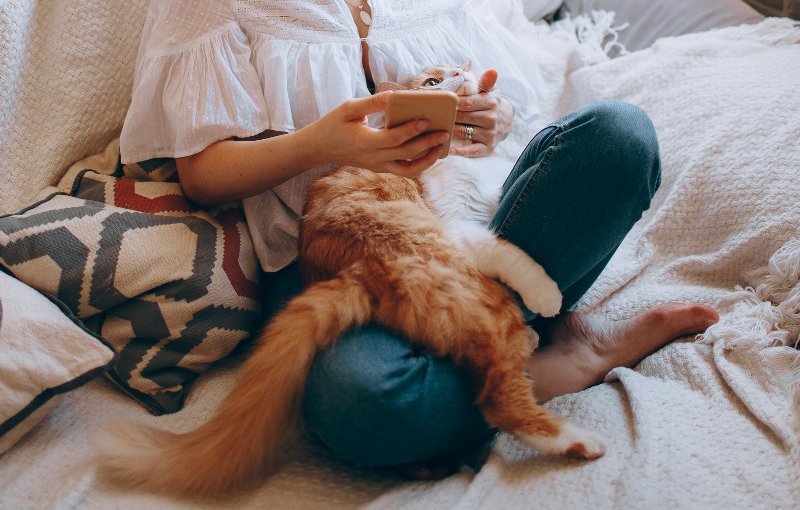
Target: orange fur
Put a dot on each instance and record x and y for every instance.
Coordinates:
(371, 250)
(245, 436)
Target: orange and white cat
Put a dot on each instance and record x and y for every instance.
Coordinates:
(465, 193)
(371, 250)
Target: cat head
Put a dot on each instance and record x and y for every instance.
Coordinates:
(453, 78)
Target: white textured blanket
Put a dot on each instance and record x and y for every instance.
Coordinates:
(715, 423)
(66, 71)
(710, 424)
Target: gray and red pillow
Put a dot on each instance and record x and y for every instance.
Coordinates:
(173, 288)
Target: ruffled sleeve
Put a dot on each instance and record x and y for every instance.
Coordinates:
(494, 46)
(194, 82)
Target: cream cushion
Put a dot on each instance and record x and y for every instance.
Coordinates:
(43, 354)
(649, 20)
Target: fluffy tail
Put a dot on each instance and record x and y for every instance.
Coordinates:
(244, 438)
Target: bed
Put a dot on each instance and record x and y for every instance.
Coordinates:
(709, 422)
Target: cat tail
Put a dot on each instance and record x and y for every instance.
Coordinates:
(244, 438)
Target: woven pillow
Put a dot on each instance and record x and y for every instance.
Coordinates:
(649, 20)
(171, 287)
(43, 354)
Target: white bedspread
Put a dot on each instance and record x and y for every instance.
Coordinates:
(66, 71)
(715, 423)
(710, 424)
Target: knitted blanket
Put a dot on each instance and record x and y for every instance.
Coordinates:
(66, 70)
(712, 423)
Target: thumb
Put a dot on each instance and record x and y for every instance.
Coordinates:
(487, 80)
(358, 108)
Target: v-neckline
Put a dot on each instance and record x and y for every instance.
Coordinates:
(366, 70)
(355, 21)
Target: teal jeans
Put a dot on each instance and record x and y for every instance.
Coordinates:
(573, 195)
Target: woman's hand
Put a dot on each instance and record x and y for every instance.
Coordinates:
(343, 137)
(486, 115)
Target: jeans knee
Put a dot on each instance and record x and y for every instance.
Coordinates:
(630, 145)
(373, 402)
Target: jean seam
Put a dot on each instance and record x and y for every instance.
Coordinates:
(546, 159)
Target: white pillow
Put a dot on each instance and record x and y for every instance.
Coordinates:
(538, 9)
(43, 354)
(650, 20)
(509, 12)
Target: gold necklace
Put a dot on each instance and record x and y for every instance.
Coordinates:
(362, 14)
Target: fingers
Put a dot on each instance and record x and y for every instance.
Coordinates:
(413, 148)
(488, 80)
(479, 134)
(477, 102)
(484, 119)
(399, 135)
(419, 155)
(475, 150)
(412, 169)
(355, 109)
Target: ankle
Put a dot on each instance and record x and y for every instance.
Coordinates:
(560, 369)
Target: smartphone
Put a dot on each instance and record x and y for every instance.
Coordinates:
(436, 106)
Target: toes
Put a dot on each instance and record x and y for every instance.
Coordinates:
(676, 319)
(708, 315)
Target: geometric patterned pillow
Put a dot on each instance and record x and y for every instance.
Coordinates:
(171, 287)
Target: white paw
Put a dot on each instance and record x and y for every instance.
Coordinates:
(573, 441)
(542, 297)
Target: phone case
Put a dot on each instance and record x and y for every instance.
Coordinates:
(436, 106)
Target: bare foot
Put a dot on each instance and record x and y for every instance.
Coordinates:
(577, 351)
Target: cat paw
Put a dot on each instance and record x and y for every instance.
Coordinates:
(544, 298)
(589, 446)
(572, 441)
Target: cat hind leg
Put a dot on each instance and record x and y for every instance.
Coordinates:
(507, 401)
(535, 426)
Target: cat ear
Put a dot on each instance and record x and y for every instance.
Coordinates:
(390, 85)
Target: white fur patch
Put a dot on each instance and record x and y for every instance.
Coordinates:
(572, 441)
(464, 193)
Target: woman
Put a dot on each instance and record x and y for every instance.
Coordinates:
(216, 80)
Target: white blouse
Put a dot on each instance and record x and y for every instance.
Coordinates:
(208, 70)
